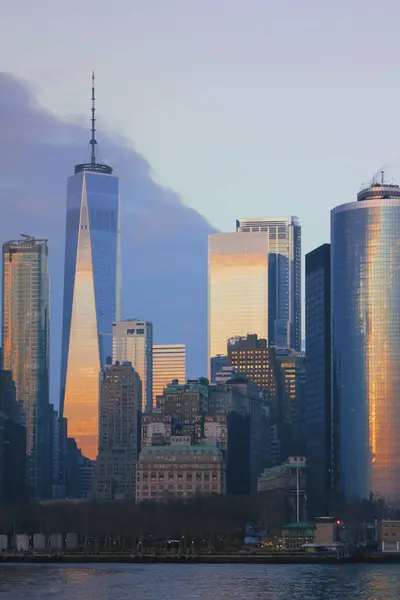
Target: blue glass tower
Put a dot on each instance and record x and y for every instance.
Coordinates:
(91, 293)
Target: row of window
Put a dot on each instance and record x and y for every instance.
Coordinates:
(179, 476)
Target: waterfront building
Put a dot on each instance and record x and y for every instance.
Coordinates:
(318, 417)
(179, 469)
(365, 280)
(120, 402)
(254, 283)
(133, 342)
(169, 364)
(91, 293)
(290, 479)
(25, 325)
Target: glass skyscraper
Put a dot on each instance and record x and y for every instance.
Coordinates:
(169, 363)
(365, 279)
(26, 345)
(91, 294)
(318, 417)
(133, 342)
(254, 283)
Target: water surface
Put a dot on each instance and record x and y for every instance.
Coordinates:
(208, 582)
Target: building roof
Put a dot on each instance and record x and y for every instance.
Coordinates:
(180, 449)
(300, 525)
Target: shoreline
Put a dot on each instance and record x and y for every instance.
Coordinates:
(287, 559)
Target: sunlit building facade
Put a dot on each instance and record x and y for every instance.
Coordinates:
(284, 277)
(133, 342)
(254, 283)
(237, 288)
(91, 294)
(365, 280)
(169, 364)
(26, 345)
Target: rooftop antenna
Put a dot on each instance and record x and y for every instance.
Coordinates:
(93, 139)
(382, 177)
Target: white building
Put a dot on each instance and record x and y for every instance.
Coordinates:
(133, 342)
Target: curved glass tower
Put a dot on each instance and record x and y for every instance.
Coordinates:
(91, 294)
(365, 280)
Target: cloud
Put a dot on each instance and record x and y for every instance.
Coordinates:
(164, 243)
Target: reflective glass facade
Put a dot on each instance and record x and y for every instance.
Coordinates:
(254, 283)
(318, 380)
(365, 264)
(237, 288)
(91, 298)
(26, 345)
(133, 342)
(284, 278)
(169, 363)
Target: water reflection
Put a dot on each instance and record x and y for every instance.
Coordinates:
(205, 582)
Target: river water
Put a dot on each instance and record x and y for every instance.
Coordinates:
(208, 582)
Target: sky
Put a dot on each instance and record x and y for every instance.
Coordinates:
(243, 107)
(209, 111)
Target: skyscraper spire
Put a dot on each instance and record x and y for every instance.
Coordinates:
(94, 166)
(93, 138)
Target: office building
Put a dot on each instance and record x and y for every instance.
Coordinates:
(157, 427)
(318, 418)
(120, 402)
(91, 293)
(181, 470)
(133, 342)
(253, 357)
(243, 433)
(291, 381)
(217, 364)
(26, 345)
(254, 283)
(169, 364)
(187, 403)
(365, 292)
(13, 459)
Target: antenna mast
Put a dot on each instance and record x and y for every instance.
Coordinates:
(93, 139)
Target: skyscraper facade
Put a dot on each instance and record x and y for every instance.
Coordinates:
(284, 277)
(365, 279)
(120, 402)
(26, 345)
(91, 293)
(253, 357)
(169, 363)
(133, 342)
(318, 417)
(254, 283)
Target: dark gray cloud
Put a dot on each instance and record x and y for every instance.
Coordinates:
(164, 243)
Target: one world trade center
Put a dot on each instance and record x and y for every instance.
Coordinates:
(92, 292)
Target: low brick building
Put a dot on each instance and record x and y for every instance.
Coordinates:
(179, 469)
